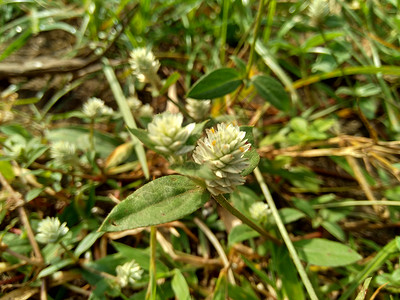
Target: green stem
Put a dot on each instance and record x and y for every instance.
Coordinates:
(225, 204)
(70, 254)
(151, 291)
(285, 235)
(91, 134)
(255, 34)
(224, 30)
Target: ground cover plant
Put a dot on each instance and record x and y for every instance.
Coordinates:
(199, 149)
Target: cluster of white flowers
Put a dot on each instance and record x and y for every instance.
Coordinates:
(144, 64)
(95, 107)
(64, 153)
(168, 135)
(50, 230)
(138, 108)
(223, 151)
(198, 109)
(318, 10)
(129, 273)
(259, 211)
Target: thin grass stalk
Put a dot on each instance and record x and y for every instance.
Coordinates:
(285, 235)
(224, 30)
(152, 288)
(270, 19)
(126, 113)
(255, 34)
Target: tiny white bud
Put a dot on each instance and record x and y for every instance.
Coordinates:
(63, 153)
(168, 135)
(95, 107)
(198, 109)
(317, 11)
(144, 64)
(259, 211)
(129, 273)
(50, 230)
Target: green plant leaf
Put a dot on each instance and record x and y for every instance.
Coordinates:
(194, 170)
(251, 154)
(87, 242)
(55, 267)
(289, 215)
(241, 233)
(322, 252)
(170, 81)
(160, 201)
(180, 286)
(272, 91)
(216, 84)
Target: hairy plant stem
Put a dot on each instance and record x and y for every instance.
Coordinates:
(151, 291)
(255, 34)
(285, 235)
(225, 204)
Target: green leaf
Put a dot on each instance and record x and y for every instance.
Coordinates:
(170, 81)
(143, 136)
(160, 201)
(180, 286)
(55, 267)
(6, 170)
(87, 242)
(289, 215)
(194, 170)
(272, 91)
(322, 252)
(241, 233)
(216, 84)
(251, 154)
(335, 230)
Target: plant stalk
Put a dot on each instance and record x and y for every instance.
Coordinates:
(255, 34)
(152, 289)
(225, 204)
(285, 235)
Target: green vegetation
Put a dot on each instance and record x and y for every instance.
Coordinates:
(199, 149)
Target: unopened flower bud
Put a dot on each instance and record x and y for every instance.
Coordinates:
(168, 135)
(144, 64)
(259, 211)
(50, 230)
(129, 273)
(198, 109)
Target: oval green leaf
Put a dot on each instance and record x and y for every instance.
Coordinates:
(272, 91)
(322, 252)
(160, 201)
(216, 84)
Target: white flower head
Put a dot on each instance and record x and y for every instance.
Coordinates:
(223, 151)
(198, 109)
(317, 11)
(95, 107)
(168, 135)
(146, 111)
(144, 64)
(129, 273)
(50, 230)
(259, 211)
(63, 153)
(134, 103)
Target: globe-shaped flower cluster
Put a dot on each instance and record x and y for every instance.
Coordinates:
(129, 273)
(144, 64)
(223, 151)
(50, 230)
(168, 135)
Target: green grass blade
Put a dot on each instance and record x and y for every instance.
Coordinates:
(126, 113)
(372, 266)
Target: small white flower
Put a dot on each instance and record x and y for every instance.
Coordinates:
(134, 103)
(139, 109)
(222, 150)
(146, 111)
(198, 109)
(168, 135)
(129, 273)
(259, 211)
(63, 153)
(317, 11)
(95, 107)
(51, 230)
(144, 64)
